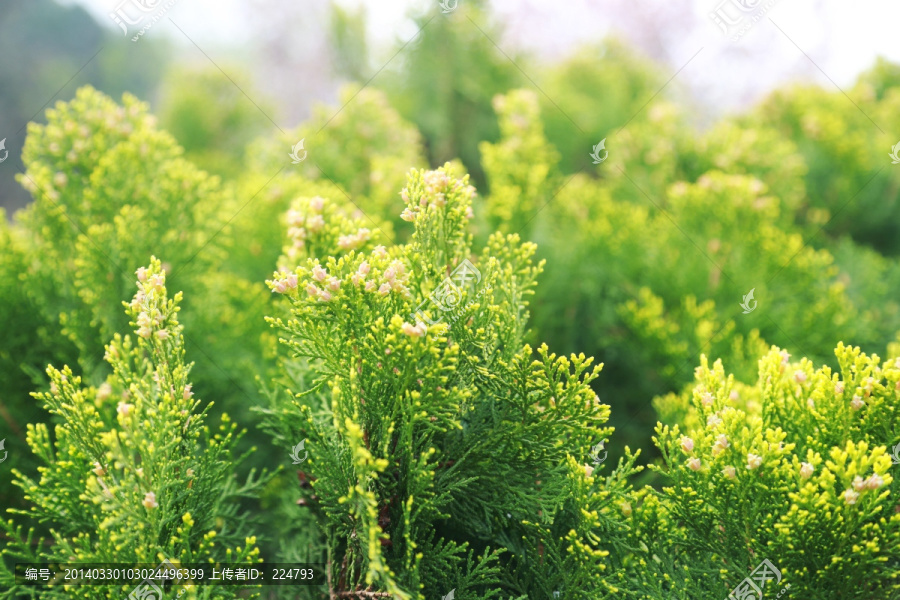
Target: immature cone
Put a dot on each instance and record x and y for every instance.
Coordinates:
(806, 470)
(720, 445)
(150, 500)
(873, 482)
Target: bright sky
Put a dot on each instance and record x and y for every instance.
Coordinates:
(840, 38)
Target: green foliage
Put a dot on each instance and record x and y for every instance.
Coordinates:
(446, 441)
(108, 186)
(450, 73)
(362, 146)
(650, 273)
(110, 190)
(133, 474)
(348, 41)
(660, 148)
(850, 184)
(29, 343)
(521, 167)
(590, 94)
(51, 41)
(436, 450)
(211, 117)
(793, 469)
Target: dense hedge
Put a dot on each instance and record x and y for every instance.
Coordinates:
(451, 416)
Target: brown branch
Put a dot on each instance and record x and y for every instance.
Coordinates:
(328, 575)
(364, 594)
(342, 580)
(12, 424)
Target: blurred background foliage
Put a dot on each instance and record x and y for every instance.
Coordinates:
(649, 254)
(63, 44)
